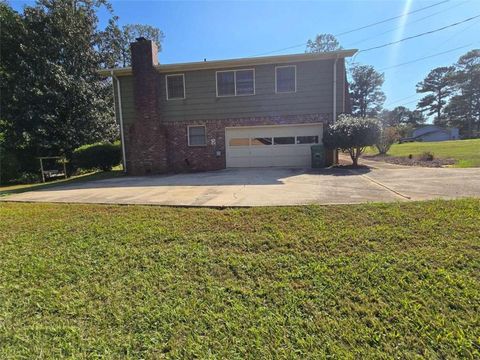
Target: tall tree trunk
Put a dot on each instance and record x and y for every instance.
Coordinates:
(356, 154)
(439, 109)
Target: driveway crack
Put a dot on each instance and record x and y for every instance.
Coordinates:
(378, 183)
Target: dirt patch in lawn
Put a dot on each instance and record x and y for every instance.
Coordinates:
(411, 161)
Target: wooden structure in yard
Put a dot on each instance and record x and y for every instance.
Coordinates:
(53, 173)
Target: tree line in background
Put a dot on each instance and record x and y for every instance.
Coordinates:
(53, 99)
(452, 93)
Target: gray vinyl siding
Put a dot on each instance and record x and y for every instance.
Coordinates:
(314, 94)
(128, 106)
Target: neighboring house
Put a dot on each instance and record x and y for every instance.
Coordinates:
(433, 133)
(209, 115)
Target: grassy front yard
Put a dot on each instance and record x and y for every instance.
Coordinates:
(466, 152)
(383, 280)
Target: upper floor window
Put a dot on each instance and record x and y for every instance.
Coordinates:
(286, 79)
(175, 86)
(236, 82)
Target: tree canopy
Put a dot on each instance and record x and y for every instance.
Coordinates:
(365, 90)
(463, 108)
(453, 94)
(323, 43)
(402, 115)
(53, 98)
(437, 85)
(352, 134)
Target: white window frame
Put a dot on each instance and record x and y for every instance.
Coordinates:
(285, 92)
(317, 136)
(234, 82)
(184, 89)
(188, 135)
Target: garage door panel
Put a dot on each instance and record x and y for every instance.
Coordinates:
(264, 151)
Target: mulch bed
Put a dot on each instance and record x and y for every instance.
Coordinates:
(403, 160)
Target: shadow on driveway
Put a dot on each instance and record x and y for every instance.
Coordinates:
(227, 177)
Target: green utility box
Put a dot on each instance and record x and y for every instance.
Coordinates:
(318, 156)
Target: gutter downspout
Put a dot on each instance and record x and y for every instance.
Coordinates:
(120, 118)
(344, 87)
(335, 89)
(335, 153)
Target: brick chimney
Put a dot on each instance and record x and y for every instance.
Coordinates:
(146, 147)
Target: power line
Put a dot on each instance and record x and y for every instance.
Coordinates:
(407, 103)
(360, 28)
(457, 33)
(419, 35)
(424, 58)
(398, 100)
(392, 18)
(410, 22)
(410, 102)
(409, 62)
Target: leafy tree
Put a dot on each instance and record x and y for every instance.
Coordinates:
(387, 137)
(352, 134)
(405, 130)
(53, 99)
(438, 86)
(366, 94)
(110, 44)
(323, 43)
(132, 31)
(463, 109)
(459, 114)
(402, 115)
(115, 41)
(416, 118)
(11, 34)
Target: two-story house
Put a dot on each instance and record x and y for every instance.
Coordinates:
(209, 115)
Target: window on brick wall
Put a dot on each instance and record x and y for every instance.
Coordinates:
(197, 135)
(286, 79)
(175, 86)
(235, 82)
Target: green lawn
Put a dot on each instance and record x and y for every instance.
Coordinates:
(466, 152)
(359, 281)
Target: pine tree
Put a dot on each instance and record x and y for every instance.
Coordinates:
(366, 94)
(463, 109)
(438, 85)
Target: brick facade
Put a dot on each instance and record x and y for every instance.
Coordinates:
(182, 157)
(146, 141)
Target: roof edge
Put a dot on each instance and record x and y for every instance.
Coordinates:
(204, 65)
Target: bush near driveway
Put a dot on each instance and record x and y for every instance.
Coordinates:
(103, 156)
(352, 135)
(388, 136)
(366, 281)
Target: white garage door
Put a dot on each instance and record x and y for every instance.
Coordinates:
(262, 146)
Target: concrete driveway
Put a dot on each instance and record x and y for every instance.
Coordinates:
(270, 186)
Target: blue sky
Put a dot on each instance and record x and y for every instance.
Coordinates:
(228, 29)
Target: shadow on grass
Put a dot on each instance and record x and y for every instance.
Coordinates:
(17, 189)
